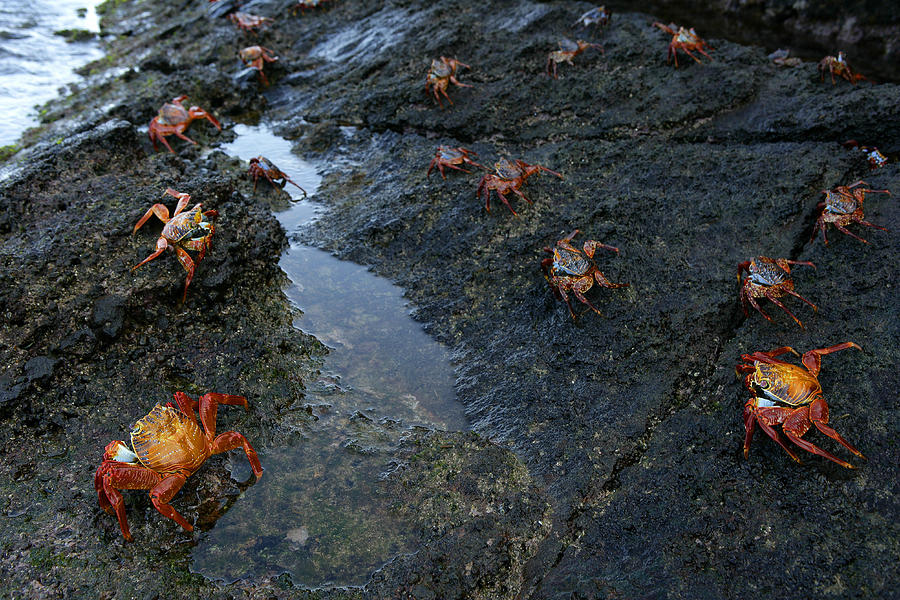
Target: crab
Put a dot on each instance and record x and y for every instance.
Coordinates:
(169, 447)
(445, 156)
(574, 270)
(596, 16)
(790, 395)
(302, 6)
(567, 51)
(262, 166)
(876, 159)
(838, 65)
(441, 75)
(248, 22)
(255, 57)
(509, 177)
(844, 205)
(188, 230)
(173, 118)
(684, 40)
(770, 278)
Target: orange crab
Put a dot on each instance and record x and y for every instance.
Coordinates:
(567, 51)
(445, 156)
(574, 270)
(173, 118)
(838, 65)
(169, 447)
(770, 278)
(190, 230)
(789, 395)
(262, 166)
(844, 205)
(510, 176)
(255, 57)
(684, 40)
(441, 75)
(248, 22)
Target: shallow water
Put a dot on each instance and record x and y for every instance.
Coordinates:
(319, 513)
(34, 63)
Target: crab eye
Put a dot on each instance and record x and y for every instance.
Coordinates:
(763, 384)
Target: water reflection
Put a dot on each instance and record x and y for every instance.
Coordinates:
(319, 513)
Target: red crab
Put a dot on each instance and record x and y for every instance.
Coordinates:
(685, 40)
(596, 16)
(262, 166)
(248, 22)
(509, 178)
(190, 230)
(169, 447)
(567, 51)
(770, 278)
(441, 75)
(840, 67)
(876, 159)
(445, 156)
(844, 205)
(786, 394)
(255, 57)
(574, 270)
(173, 118)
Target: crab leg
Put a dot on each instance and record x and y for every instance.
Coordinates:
(232, 440)
(178, 133)
(766, 418)
(185, 259)
(775, 301)
(796, 425)
(183, 199)
(163, 492)
(161, 245)
(796, 295)
(604, 282)
(159, 210)
(812, 360)
(818, 414)
(113, 476)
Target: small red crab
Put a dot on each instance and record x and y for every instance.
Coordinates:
(769, 278)
(248, 22)
(173, 118)
(876, 159)
(844, 205)
(509, 178)
(786, 394)
(445, 156)
(441, 75)
(574, 270)
(685, 40)
(840, 67)
(567, 51)
(169, 447)
(189, 230)
(262, 166)
(596, 16)
(254, 57)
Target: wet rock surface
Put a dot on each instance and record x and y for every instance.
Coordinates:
(606, 455)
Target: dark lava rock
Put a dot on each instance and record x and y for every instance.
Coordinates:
(108, 315)
(627, 425)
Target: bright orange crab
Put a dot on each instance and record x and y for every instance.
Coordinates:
(770, 278)
(248, 22)
(786, 394)
(574, 270)
(567, 51)
(262, 166)
(255, 57)
(169, 447)
(441, 75)
(684, 40)
(844, 205)
(445, 156)
(509, 178)
(190, 230)
(838, 65)
(173, 118)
